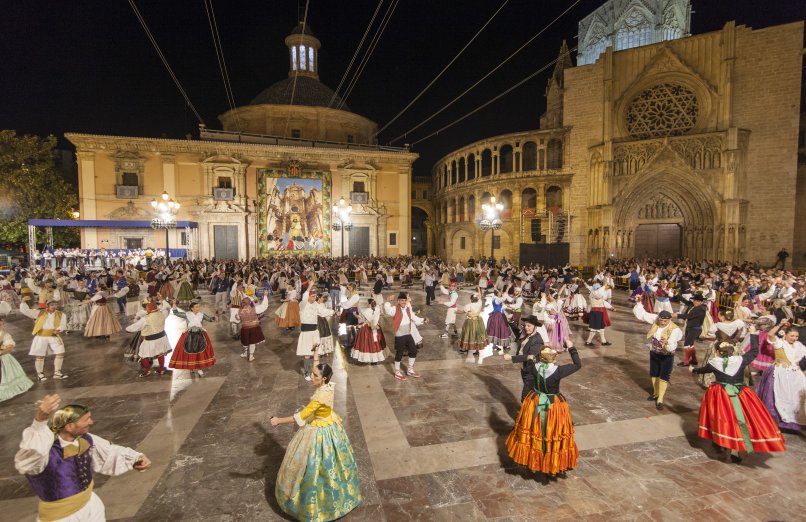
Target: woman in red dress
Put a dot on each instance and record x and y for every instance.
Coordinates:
(194, 350)
(732, 416)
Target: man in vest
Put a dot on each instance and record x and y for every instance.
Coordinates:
(59, 461)
(663, 337)
(404, 324)
(695, 317)
(47, 326)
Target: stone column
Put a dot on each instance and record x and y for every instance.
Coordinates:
(88, 209)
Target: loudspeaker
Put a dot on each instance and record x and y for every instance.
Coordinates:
(536, 230)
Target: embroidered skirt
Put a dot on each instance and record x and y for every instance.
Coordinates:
(101, 322)
(474, 335)
(498, 332)
(288, 315)
(543, 436)
(318, 478)
(194, 351)
(369, 345)
(185, 292)
(13, 380)
(734, 417)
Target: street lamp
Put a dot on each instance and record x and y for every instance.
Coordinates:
(341, 219)
(166, 209)
(491, 221)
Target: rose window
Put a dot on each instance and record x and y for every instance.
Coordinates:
(663, 110)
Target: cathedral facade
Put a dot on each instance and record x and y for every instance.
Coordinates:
(657, 144)
(264, 184)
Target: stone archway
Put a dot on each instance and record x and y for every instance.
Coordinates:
(670, 205)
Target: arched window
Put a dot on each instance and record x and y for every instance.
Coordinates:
(471, 167)
(461, 170)
(485, 198)
(453, 211)
(486, 162)
(634, 31)
(506, 199)
(541, 159)
(461, 209)
(529, 156)
(453, 173)
(554, 198)
(471, 208)
(505, 159)
(555, 153)
(528, 199)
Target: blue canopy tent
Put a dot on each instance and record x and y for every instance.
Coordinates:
(191, 228)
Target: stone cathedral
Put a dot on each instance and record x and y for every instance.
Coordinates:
(657, 143)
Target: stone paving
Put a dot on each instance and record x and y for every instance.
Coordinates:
(427, 449)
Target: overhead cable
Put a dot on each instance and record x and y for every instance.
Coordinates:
(355, 54)
(377, 38)
(485, 104)
(165, 62)
(485, 76)
(222, 63)
(437, 77)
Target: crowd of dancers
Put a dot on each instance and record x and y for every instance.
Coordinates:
(749, 339)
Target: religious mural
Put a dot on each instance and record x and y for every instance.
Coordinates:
(291, 217)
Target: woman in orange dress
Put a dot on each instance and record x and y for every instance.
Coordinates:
(543, 436)
(288, 313)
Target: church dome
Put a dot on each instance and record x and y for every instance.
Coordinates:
(308, 91)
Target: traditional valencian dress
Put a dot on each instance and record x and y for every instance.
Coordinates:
(194, 350)
(782, 387)
(498, 332)
(102, 322)
(474, 333)
(61, 472)
(288, 313)
(543, 436)
(369, 342)
(732, 415)
(13, 380)
(318, 479)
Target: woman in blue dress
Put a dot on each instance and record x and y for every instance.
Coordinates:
(498, 332)
(318, 479)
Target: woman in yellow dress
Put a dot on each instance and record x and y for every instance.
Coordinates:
(318, 479)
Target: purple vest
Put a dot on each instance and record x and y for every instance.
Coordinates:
(62, 477)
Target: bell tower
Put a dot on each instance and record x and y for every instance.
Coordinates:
(303, 52)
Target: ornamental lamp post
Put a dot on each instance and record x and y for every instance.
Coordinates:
(341, 219)
(166, 209)
(491, 221)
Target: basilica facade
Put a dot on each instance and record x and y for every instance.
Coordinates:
(657, 143)
(264, 184)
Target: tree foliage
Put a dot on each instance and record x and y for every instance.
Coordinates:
(31, 187)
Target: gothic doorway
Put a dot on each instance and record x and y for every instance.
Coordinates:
(658, 240)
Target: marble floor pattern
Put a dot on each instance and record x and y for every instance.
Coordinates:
(427, 449)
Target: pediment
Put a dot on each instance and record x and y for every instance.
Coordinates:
(664, 63)
(361, 166)
(129, 211)
(218, 207)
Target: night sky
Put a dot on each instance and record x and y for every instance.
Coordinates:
(89, 67)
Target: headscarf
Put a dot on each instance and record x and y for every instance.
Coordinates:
(68, 414)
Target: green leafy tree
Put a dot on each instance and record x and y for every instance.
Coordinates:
(31, 187)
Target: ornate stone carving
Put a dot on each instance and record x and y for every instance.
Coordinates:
(666, 109)
(630, 157)
(660, 207)
(129, 211)
(701, 153)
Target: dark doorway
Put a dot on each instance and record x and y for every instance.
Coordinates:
(661, 240)
(226, 241)
(419, 239)
(359, 241)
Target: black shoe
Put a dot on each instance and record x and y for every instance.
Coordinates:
(658, 405)
(588, 344)
(652, 398)
(607, 344)
(476, 352)
(735, 459)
